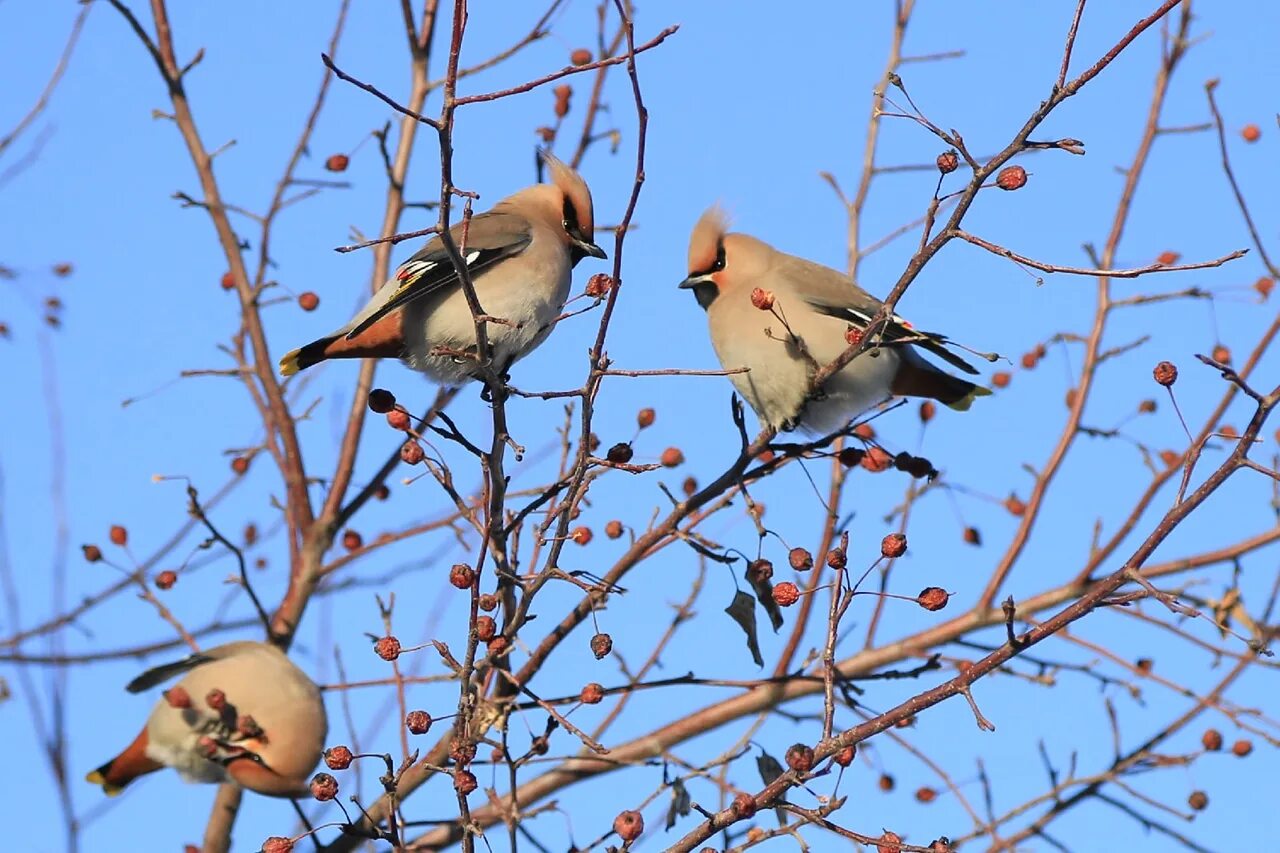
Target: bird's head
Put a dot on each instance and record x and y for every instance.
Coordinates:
(721, 262)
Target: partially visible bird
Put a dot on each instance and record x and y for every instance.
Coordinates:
(243, 712)
(520, 256)
(797, 324)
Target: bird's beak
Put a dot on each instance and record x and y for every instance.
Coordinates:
(695, 280)
(591, 249)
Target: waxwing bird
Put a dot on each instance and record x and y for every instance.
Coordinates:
(804, 329)
(242, 712)
(520, 256)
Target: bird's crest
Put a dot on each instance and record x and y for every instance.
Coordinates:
(575, 190)
(705, 242)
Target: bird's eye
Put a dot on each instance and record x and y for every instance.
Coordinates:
(569, 219)
(719, 265)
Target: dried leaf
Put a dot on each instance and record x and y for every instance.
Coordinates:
(743, 611)
(681, 803)
(764, 594)
(771, 769)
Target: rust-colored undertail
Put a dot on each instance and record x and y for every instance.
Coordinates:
(384, 339)
(125, 767)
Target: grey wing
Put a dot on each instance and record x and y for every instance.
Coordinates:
(489, 239)
(857, 307)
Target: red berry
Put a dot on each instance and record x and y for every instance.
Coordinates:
(398, 419)
(672, 457)
(1166, 373)
(581, 535)
(598, 285)
(854, 335)
(417, 722)
(972, 536)
(948, 162)
(744, 806)
(487, 602)
(240, 465)
(277, 844)
(308, 301)
(92, 553)
(216, 699)
(1221, 354)
(762, 299)
(927, 410)
(411, 453)
(177, 697)
(613, 529)
(464, 782)
(601, 645)
(591, 694)
(1251, 133)
(800, 559)
(1264, 286)
(1001, 379)
(893, 545)
(876, 459)
(387, 648)
(800, 758)
(760, 571)
(1011, 178)
(228, 281)
(629, 825)
(1241, 748)
(933, 598)
(845, 756)
(118, 535)
(645, 418)
(786, 594)
(338, 758)
(486, 628)
(563, 93)
(324, 786)
(926, 794)
(1199, 801)
(462, 576)
(1014, 506)
(581, 56)
(1168, 258)
(889, 842)
(337, 162)
(1211, 740)
(166, 579)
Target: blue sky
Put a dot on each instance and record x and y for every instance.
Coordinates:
(747, 106)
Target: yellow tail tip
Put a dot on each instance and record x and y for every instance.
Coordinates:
(95, 777)
(963, 404)
(289, 364)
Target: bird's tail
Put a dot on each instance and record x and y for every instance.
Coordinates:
(918, 378)
(304, 357)
(125, 767)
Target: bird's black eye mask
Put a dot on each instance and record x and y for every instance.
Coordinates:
(707, 291)
(570, 223)
(714, 268)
